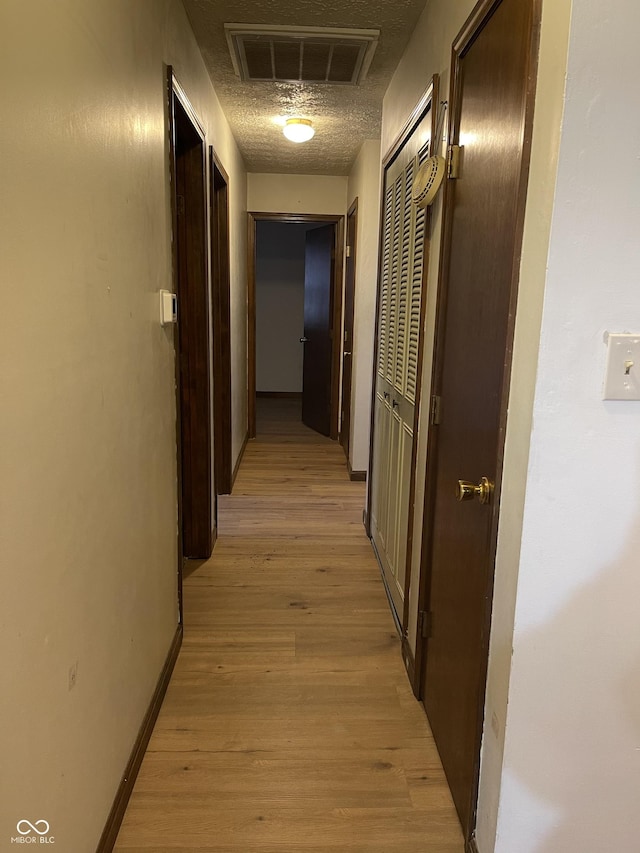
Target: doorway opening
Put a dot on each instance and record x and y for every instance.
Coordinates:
(295, 312)
(196, 498)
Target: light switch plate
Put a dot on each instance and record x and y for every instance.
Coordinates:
(622, 377)
(168, 307)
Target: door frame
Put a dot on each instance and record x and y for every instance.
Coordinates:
(336, 300)
(344, 436)
(427, 102)
(176, 96)
(220, 322)
(466, 36)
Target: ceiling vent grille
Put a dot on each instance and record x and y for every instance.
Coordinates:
(293, 55)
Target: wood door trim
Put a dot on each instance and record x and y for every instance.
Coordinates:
(125, 788)
(336, 299)
(236, 468)
(206, 538)
(471, 845)
(353, 211)
(336, 340)
(219, 166)
(299, 218)
(169, 94)
(427, 99)
(221, 323)
(251, 325)
(181, 95)
(433, 147)
(476, 20)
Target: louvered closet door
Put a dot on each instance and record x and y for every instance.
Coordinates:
(401, 270)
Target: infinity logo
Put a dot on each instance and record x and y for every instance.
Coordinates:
(33, 827)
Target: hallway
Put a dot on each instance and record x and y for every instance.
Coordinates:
(289, 724)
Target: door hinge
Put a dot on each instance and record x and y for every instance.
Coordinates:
(348, 251)
(453, 161)
(436, 410)
(180, 205)
(425, 623)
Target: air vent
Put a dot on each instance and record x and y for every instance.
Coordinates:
(294, 55)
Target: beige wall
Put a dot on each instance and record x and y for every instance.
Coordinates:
(364, 185)
(323, 194)
(88, 459)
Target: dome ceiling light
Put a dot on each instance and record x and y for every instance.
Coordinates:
(298, 129)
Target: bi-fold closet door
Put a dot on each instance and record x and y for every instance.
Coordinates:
(396, 379)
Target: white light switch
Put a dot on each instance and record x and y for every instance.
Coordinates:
(622, 379)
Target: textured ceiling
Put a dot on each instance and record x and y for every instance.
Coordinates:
(343, 116)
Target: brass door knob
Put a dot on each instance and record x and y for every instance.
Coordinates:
(466, 491)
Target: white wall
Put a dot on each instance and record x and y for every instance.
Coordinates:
(280, 262)
(572, 753)
(88, 462)
(364, 184)
(323, 194)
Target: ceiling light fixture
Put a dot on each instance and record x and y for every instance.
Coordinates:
(298, 129)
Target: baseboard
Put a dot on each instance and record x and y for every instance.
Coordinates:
(410, 665)
(239, 460)
(119, 807)
(356, 476)
(280, 395)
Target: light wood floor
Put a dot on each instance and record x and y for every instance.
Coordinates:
(289, 725)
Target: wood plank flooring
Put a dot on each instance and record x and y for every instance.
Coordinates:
(289, 725)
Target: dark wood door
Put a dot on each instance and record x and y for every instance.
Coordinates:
(347, 338)
(197, 500)
(221, 324)
(492, 62)
(316, 370)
